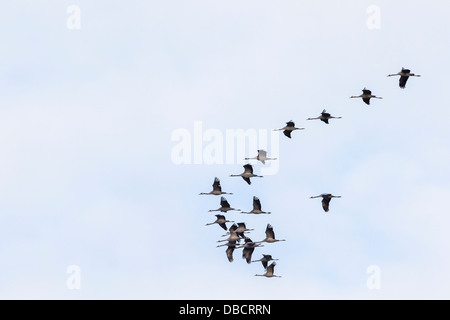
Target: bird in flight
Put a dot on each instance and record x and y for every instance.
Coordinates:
(262, 156)
(269, 271)
(326, 198)
(217, 188)
(324, 116)
(287, 130)
(264, 260)
(224, 206)
(270, 235)
(404, 76)
(366, 96)
(221, 221)
(256, 207)
(247, 174)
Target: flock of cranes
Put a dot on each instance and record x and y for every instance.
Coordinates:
(238, 231)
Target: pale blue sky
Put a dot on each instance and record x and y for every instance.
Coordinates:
(87, 179)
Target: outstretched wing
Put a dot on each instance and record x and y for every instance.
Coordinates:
(223, 225)
(256, 203)
(402, 81)
(229, 253)
(247, 253)
(264, 263)
(269, 232)
(216, 185)
(248, 168)
(224, 203)
(287, 133)
(326, 203)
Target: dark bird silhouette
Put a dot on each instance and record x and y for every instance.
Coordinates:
(224, 206)
(269, 271)
(366, 96)
(256, 207)
(326, 198)
(324, 116)
(247, 174)
(265, 260)
(404, 76)
(217, 189)
(287, 130)
(270, 235)
(221, 221)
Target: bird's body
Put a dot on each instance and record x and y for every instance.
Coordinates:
(324, 116)
(224, 206)
(256, 207)
(366, 96)
(247, 174)
(326, 198)
(262, 156)
(287, 130)
(221, 221)
(217, 189)
(270, 235)
(269, 271)
(404, 76)
(265, 260)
